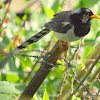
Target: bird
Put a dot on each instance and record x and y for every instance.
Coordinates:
(69, 26)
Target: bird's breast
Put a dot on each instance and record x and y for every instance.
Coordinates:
(69, 36)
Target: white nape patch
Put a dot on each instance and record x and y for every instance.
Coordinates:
(76, 11)
(68, 37)
(65, 23)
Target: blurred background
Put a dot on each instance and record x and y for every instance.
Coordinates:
(21, 19)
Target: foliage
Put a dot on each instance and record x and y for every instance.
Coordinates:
(16, 30)
(8, 91)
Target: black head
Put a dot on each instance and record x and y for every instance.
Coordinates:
(81, 15)
(80, 18)
(86, 11)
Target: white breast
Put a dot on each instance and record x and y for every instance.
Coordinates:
(68, 37)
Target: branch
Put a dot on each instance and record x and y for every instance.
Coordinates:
(41, 73)
(90, 80)
(6, 13)
(81, 72)
(89, 71)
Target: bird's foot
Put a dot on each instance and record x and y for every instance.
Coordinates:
(63, 45)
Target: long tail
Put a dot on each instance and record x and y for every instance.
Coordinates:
(25, 44)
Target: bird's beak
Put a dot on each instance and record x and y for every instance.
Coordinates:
(94, 16)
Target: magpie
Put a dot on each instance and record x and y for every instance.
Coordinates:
(68, 26)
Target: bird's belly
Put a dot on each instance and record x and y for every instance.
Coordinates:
(68, 37)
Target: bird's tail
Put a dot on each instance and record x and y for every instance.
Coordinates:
(6, 59)
(25, 44)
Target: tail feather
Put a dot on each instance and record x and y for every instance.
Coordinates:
(6, 59)
(25, 44)
(34, 38)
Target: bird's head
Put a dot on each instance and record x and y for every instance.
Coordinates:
(84, 15)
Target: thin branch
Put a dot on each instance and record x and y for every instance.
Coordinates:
(29, 74)
(6, 12)
(75, 52)
(80, 73)
(89, 71)
(24, 55)
(62, 85)
(90, 80)
(31, 51)
(37, 60)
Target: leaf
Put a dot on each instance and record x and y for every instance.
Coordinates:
(12, 77)
(75, 98)
(48, 11)
(8, 88)
(4, 42)
(56, 5)
(24, 17)
(82, 66)
(6, 97)
(45, 96)
(18, 20)
(87, 3)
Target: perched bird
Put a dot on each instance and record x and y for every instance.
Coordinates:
(68, 26)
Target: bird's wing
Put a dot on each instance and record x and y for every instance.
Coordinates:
(60, 23)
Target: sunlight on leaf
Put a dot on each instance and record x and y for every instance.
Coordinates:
(45, 96)
(75, 98)
(82, 67)
(8, 88)
(6, 97)
(48, 11)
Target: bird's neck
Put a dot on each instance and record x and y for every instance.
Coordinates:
(79, 19)
(81, 24)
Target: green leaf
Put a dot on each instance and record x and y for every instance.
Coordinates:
(75, 98)
(87, 3)
(12, 77)
(82, 66)
(4, 42)
(8, 88)
(18, 20)
(24, 17)
(48, 11)
(45, 96)
(56, 5)
(6, 97)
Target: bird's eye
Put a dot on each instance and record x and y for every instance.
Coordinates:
(90, 13)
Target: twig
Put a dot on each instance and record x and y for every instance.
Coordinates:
(75, 52)
(81, 72)
(58, 97)
(31, 51)
(90, 80)
(62, 85)
(29, 74)
(36, 61)
(24, 55)
(81, 82)
(6, 12)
